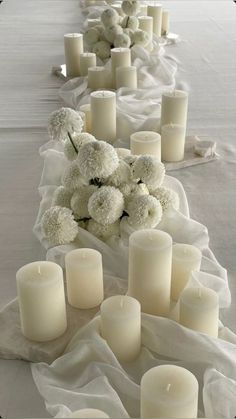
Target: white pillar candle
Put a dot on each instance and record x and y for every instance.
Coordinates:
(123, 152)
(40, 289)
(103, 115)
(150, 256)
(88, 414)
(169, 391)
(84, 278)
(165, 22)
(126, 77)
(146, 142)
(120, 57)
(142, 10)
(121, 326)
(185, 259)
(87, 59)
(174, 108)
(93, 22)
(172, 142)
(146, 24)
(199, 310)
(73, 45)
(87, 111)
(155, 11)
(98, 78)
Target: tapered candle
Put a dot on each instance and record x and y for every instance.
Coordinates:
(155, 11)
(103, 115)
(121, 326)
(199, 310)
(88, 414)
(165, 22)
(169, 391)
(98, 78)
(174, 108)
(146, 142)
(126, 77)
(40, 289)
(87, 60)
(120, 57)
(73, 45)
(87, 111)
(172, 142)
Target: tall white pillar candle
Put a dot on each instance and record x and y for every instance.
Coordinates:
(103, 115)
(169, 391)
(150, 256)
(165, 22)
(73, 46)
(87, 111)
(146, 24)
(126, 77)
(98, 78)
(146, 142)
(174, 108)
(40, 289)
(199, 310)
(155, 11)
(87, 60)
(172, 142)
(121, 326)
(120, 57)
(185, 259)
(84, 278)
(88, 414)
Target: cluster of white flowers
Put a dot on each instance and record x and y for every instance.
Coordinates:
(115, 31)
(64, 122)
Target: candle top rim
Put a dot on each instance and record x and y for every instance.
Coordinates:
(176, 94)
(73, 35)
(83, 257)
(157, 5)
(102, 94)
(207, 298)
(192, 253)
(34, 273)
(126, 68)
(148, 242)
(96, 68)
(155, 136)
(130, 306)
(120, 49)
(88, 54)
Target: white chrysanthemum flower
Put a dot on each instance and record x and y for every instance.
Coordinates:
(144, 212)
(167, 197)
(122, 152)
(72, 178)
(61, 197)
(130, 22)
(102, 49)
(132, 190)
(79, 201)
(78, 140)
(103, 232)
(141, 38)
(121, 175)
(62, 122)
(99, 28)
(109, 17)
(130, 34)
(106, 205)
(111, 32)
(122, 41)
(59, 226)
(97, 159)
(130, 7)
(91, 36)
(130, 159)
(149, 170)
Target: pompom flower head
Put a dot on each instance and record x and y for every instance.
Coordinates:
(132, 190)
(106, 205)
(111, 32)
(167, 197)
(62, 122)
(130, 7)
(109, 17)
(120, 176)
(61, 197)
(78, 140)
(144, 212)
(91, 36)
(59, 226)
(103, 232)
(141, 38)
(122, 41)
(149, 170)
(79, 201)
(102, 49)
(130, 22)
(72, 178)
(97, 160)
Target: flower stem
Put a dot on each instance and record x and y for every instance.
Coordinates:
(72, 142)
(127, 22)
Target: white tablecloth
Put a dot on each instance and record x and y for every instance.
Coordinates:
(31, 42)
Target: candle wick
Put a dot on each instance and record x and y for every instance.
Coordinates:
(39, 270)
(168, 387)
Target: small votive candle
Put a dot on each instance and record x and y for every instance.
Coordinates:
(98, 78)
(84, 278)
(146, 142)
(121, 326)
(73, 46)
(87, 111)
(165, 22)
(41, 295)
(169, 391)
(199, 310)
(172, 142)
(174, 108)
(120, 57)
(87, 60)
(126, 77)
(103, 115)
(185, 259)
(88, 414)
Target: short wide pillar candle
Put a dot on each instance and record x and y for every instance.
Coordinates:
(98, 78)
(150, 256)
(87, 60)
(199, 310)
(185, 259)
(120, 57)
(155, 11)
(174, 108)
(146, 142)
(172, 142)
(73, 45)
(121, 326)
(40, 289)
(88, 414)
(169, 391)
(87, 111)
(126, 77)
(84, 278)
(103, 115)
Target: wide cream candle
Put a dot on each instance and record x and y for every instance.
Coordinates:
(103, 115)
(155, 11)
(146, 142)
(98, 78)
(87, 60)
(87, 111)
(121, 326)
(88, 414)
(126, 77)
(173, 142)
(120, 57)
(40, 289)
(169, 391)
(73, 46)
(185, 259)
(150, 257)
(165, 22)
(84, 278)
(174, 108)
(199, 310)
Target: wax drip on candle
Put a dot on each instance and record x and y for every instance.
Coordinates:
(168, 387)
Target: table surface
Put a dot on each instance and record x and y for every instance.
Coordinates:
(31, 34)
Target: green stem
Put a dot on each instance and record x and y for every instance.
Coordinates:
(72, 142)
(127, 22)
